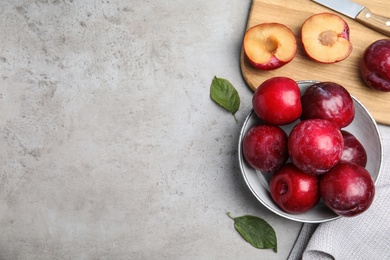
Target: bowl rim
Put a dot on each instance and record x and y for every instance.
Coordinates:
(292, 216)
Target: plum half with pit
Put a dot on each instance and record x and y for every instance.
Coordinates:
(265, 147)
(315, 145)
(325, 38)
(347, 189)
(330, 101)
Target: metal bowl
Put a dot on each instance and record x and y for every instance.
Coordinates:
(363, 127)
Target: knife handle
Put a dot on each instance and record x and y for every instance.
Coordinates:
(374, 21)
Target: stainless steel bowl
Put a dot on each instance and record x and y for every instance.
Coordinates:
(363, 127)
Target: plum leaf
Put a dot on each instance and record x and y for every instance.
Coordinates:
(256, 231)
(224, 94)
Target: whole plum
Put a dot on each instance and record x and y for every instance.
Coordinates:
(347, 189)
(265, 147)
(277, 101)
(353, 151)
(330, 101)
(315, 145)
(294, 190)
(375, 65)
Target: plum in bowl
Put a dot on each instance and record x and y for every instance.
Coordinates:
(363, 127)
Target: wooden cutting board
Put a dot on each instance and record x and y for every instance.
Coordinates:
(346, 73)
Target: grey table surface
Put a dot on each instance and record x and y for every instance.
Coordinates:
(110, 146)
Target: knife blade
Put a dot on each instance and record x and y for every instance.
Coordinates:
(359, 13)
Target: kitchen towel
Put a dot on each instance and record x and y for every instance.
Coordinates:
(366, 236)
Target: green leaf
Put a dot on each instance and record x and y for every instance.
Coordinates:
(256, 231)
(224, 94)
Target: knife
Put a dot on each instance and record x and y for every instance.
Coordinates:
(359, 13)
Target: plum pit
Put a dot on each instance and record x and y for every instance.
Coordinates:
(328, 38)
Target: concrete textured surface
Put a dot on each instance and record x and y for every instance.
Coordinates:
(110, 146)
